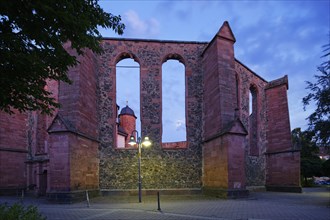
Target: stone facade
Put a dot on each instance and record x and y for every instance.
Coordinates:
(161, 168)
(255, 163)
(228, 148)
(13, 152)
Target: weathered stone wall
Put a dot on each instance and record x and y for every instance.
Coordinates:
(161, 168)
(280, 152)
(59, 165)
(84, 164)
(13, 150)
(279, 177)
(255, 170)
(255, 164)
(79, 151)
(278, 131)
(216, 167)
(78, 100)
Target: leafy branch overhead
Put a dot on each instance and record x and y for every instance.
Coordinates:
(32, 33)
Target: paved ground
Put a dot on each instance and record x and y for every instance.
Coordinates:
(313, 203)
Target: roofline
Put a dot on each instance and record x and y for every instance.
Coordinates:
(153, 40)
(251, 70)
(218, 35)
(209, 44)
(183, 42)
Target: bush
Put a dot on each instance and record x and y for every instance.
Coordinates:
(326, 168)
(18, 211)
(307, 182)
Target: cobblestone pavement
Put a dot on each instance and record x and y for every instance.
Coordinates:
(313, 203)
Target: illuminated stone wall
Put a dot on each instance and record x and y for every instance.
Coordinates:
(255, 164)
(161, 167)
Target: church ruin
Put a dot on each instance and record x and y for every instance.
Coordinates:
(228, 151)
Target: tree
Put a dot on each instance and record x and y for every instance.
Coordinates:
(32, 33)
(303, 140)
(326, 167)
(310, 163)
(319, 120)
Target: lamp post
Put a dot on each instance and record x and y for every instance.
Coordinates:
(146, 142)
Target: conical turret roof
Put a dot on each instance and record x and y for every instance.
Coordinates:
(127, 111)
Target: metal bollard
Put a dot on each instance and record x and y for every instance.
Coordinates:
(158, 199)
(22, 195)
(87, 198)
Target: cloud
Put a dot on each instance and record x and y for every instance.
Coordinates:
(180, 125)
(136, 27)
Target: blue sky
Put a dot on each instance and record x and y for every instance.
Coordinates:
(273, 38)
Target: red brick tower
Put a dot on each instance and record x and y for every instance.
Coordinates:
(127, 122)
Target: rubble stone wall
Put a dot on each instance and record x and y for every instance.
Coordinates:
(160, 167)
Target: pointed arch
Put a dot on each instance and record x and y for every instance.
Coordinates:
(125, 55)
(174, 56)
(174, 132)
(127, 94)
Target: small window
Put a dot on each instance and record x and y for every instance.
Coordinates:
(253, 121)
(250, 103)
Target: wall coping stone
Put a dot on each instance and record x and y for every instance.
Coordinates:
(278, 82)
(153, 40)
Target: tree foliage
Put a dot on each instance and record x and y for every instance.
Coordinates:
(326, 167)
(303, 140)
(32, 33)
(319, 120)
(310, 163)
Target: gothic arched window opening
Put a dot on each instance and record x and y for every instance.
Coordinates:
(174, 134)
(127, 100)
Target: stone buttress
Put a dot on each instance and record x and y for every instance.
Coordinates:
(223, 133)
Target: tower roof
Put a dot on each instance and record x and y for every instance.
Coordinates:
(225, 32)
(127, 111)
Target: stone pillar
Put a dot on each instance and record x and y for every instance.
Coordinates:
(224, 164)
(219, 82)
(73, 135)
(283, 162)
